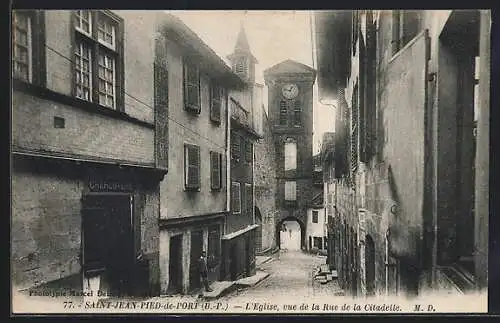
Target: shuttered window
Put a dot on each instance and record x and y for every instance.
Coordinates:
(248, 199)
(290, 191)
(283, 113)
(216, 170)
(191, 87)
(215, 102)
(235, 146)
(235, 198)
(248, 151)
(297, 114)
(192, 167)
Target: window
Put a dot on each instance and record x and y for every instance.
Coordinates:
(22, 46)
(318, 242)
(290, 155)
(216, 170)
(283, 113)
(215, 102)
(191, 86)
(405, 26)
(248, 199)
(290, 191)
(235, 146)
(248, 151)
(97, 57)
(315, 216)
(214, 248)
(241, 67)
(235, 198)
(191, 167)
(297, 114)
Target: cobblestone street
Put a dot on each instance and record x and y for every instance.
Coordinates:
(291, 278)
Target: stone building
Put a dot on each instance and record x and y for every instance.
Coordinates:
(89, 149)
(245, 105)
(194, 194)
(290, 109)
(411, 147)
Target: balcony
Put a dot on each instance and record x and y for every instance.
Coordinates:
(241, 118)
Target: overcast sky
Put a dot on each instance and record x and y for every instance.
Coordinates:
(274, 36)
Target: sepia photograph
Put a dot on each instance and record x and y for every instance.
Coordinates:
(249, 161)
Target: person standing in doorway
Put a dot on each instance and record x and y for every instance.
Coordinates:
(202, 262)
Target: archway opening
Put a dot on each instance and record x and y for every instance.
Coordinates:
(290, 234)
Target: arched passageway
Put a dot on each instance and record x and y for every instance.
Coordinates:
(290, 233)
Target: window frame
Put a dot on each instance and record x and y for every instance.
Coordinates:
(36, 48)
(99, 49)
(248, 188)
(297, 111)
(216, 99)
(187, 166)
(248, 150)
(402, 34)
(294, 198)
(315, 214)
(283, 113)
(236, 187)
(187, 66)
(290, 167)
(218, 187)
(236, 146)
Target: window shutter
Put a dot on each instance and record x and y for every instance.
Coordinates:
(192, 159)
(235, 198)
(249, 199)
(191, 87)
(235, 146)
(248, 151)
(215, 102)
(215, 166)
(297, 113)
(283, 112)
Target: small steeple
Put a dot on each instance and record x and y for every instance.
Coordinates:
(242, 60)
(242, 45)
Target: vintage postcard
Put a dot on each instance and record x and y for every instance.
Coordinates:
(187, 162)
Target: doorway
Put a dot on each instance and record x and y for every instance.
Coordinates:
(370, 266)
(175, 265)
(196, 249)
(290, 236)
(258, 232)
(108, 247)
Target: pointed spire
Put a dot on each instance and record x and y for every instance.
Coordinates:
(242, 41)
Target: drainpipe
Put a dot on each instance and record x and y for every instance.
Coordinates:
(228, 160)
(253, 184)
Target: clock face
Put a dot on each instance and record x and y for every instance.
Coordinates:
(290, 91)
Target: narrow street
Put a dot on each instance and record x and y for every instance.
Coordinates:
(291, 277)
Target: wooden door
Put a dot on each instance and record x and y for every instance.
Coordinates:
(196, 249)
(175, 265)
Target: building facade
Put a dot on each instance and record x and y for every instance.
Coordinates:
(329, 189)
(194, 194)
(411, 156)
(290, 107)
(88, 151)
(239, 240)
(316, 216)
(266, 211)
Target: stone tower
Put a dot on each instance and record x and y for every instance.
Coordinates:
(290, 105)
